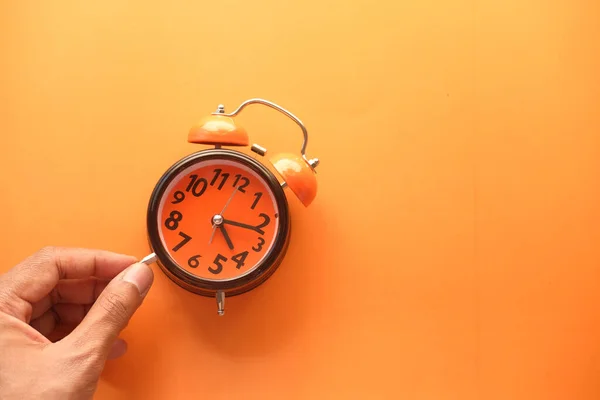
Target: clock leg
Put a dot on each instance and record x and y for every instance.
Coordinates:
(149, 259)
(220, 302)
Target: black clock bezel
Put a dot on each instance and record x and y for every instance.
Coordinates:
(234, 286)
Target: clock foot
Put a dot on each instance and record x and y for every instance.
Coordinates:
(149, 259)
(220, 302)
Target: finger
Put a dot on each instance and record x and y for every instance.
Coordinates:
(34, 278)
(46, 323)
(57, 325)
(78, 291)
(70, 291)
(65, 314)
(70, 314)
(38, 309)
(60, 332)
(118, 349)
(112, 311)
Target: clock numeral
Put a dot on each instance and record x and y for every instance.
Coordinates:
(186, 239)
(179, 197)
(245, 183)
(260, 244)
(218, 259)
(237, 179)
(258, 195)
(193, 262)
(173, 221)
(239, 259)
(217, 172)
(266, 222)
(224, 177)
(195, 183)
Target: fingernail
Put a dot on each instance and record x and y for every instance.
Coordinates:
(141, 276)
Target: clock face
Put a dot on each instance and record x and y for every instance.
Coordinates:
(218, 219)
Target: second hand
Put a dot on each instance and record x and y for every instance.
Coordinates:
(214, 226)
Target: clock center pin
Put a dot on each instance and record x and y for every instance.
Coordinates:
(217, 220)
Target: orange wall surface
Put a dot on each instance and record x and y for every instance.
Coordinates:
(453, 249)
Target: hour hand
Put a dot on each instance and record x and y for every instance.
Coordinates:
(226, 236)
(242, 225)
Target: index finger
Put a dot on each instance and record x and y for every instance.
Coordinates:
(36, 276)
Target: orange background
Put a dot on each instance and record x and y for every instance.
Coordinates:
(453, 249)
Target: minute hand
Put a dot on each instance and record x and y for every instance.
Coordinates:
(246, 226)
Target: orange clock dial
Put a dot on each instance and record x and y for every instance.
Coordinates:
(218, 219)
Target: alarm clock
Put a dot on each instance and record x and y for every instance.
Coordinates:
(218, 220)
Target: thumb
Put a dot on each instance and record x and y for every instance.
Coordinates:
(113, 309)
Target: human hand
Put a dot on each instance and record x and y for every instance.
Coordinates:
(61, 312)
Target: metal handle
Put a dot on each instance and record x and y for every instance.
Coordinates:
(221, 111)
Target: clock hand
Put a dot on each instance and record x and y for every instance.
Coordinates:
(241, 225)
(214, 226)
(235, 190)
(226, 236)
(212, 234)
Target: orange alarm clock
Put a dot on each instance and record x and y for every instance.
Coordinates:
(218, 220)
